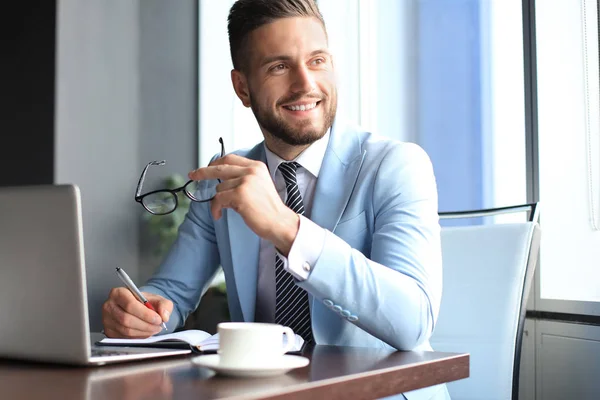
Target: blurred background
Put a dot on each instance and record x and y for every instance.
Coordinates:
(502, 94)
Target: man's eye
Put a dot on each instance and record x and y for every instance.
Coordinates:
(278, 67)
(318, 61)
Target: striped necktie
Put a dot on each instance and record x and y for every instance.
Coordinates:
(291, 301)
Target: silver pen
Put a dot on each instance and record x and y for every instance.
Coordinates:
(136, 292)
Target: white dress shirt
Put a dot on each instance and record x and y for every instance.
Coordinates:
(307, 246)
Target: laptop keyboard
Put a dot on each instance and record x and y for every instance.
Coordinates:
(107, 353)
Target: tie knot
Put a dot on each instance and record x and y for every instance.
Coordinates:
(288, 170)
(290, 166)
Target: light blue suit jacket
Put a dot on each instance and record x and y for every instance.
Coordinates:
(378, 280)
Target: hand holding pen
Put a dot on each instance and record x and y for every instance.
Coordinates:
(127, 314)
(136, 292)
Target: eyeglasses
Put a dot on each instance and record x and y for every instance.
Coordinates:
(164, 201)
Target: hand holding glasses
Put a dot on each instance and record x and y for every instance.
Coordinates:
(164, 201)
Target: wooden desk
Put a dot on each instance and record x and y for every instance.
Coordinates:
(334, 373)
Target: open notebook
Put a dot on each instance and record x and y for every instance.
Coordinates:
(197, 340)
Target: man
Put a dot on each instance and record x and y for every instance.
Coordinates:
(342, 245)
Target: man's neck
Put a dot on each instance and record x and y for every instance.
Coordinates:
(280, 148)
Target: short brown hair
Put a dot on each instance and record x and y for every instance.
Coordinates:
(248, 15)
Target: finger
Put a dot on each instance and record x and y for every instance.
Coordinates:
(117, 326)
(234, 159)
(225, 199)
(131, 305)
(164, 307)
(130, 321)
(229, 184)
(223, 172)
(114, 329)
(126, 333)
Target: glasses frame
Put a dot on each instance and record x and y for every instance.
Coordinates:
(173, 192)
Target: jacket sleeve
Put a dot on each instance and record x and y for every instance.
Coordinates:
(189, 266)
(394, 292)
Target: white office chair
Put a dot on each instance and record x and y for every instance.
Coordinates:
(488, 270)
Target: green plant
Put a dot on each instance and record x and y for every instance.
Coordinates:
(164, 227)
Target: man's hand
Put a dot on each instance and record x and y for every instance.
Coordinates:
(124, 316)
(246, 187)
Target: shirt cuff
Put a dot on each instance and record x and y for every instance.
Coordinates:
(306, 249)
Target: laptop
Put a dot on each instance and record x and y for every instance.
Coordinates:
(43, 296)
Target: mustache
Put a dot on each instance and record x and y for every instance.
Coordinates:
(300, 96)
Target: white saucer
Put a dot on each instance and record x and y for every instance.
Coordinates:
(285, 364)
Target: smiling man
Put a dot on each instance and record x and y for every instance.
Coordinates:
(287, 79)
(322, 227)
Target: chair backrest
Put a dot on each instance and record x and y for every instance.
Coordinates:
(488, 271)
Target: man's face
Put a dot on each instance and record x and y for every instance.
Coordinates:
(290, 80)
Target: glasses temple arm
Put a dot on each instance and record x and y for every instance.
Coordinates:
(222, 147)
(138, 190)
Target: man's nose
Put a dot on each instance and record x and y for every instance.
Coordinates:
(304, 81)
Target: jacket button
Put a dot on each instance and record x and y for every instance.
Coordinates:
(345, 313)
(352, 318)
(306, 267)
(328, 303)
(337, 308)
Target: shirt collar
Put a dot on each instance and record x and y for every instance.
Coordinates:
(310, 159)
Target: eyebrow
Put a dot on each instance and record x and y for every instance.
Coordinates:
(282, 57)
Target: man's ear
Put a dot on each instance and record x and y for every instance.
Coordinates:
(240, 85)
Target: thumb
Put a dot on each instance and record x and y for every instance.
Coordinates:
(164, 307)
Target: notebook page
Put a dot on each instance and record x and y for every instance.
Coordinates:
(192, 336)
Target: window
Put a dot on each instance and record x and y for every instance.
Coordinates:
(569, 154)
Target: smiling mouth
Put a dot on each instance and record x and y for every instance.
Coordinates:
(303, 107)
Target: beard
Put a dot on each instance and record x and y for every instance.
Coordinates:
(303, 133)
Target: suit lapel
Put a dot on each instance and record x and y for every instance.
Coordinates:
(338, 175)
(245, 247)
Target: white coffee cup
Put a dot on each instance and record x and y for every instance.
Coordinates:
(253, 344)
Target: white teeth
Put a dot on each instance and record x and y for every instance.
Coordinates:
(302, 107)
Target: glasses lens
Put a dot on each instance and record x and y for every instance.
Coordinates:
(202, 190)
(160, 202)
